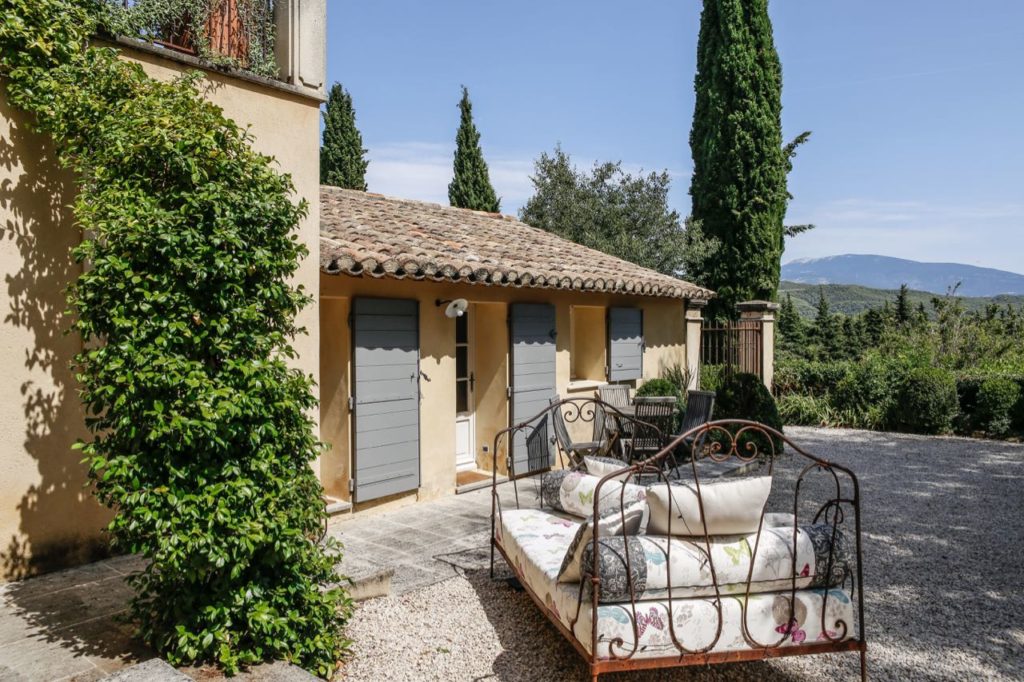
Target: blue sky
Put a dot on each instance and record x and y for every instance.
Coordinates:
(916, 107)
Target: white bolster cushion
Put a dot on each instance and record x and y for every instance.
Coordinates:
(731, 506)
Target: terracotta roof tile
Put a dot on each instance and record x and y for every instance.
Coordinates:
(364, 234)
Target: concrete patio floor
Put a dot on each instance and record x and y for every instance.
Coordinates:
(423, 543)
(65, 625)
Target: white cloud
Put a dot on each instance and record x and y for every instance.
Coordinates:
(987, 234)
(422, 170)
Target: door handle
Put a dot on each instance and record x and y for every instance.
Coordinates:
(472, 382)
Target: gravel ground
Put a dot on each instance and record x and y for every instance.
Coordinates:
(943, 526)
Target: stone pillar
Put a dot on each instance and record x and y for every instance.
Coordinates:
(764, 313)
(300, 42)
(694, 322)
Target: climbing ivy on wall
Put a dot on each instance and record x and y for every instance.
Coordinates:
(250, 23)
(200, 434)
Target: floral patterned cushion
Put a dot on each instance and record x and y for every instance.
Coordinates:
(658, 565)
(733, 623)
(573, 493)
(536, 542)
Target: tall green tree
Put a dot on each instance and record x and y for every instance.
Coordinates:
(739, 178)
(903, 305)
(825, 331)
(791, 326)
(471, 185)
(612, 211)
(342, 157)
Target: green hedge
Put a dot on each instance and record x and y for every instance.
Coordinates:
(880, 392)
(993, 405)
(997, 398)
(809, 377)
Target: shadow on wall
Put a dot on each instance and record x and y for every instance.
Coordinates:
(59, 520)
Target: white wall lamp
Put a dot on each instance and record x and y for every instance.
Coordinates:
(455, 308)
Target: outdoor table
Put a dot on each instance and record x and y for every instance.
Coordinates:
(619, 430)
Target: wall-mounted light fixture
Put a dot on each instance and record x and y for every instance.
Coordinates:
(455, 308)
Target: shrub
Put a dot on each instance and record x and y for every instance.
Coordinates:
(864, 394)
(679, 376)
(805, 410)
(997, 398)
(201, 439)
(967, 389)
(711, 377)
(744, 396)
(657, 387)
(925, 401)
(809, 377)
(1017, 415)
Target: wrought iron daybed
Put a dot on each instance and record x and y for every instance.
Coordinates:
(707, 589)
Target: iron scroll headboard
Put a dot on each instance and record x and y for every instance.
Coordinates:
(750, 445)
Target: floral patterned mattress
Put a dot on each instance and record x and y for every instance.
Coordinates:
(536, 543)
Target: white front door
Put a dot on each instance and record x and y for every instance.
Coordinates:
(465, 456)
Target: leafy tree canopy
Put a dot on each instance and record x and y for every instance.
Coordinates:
(616, 212)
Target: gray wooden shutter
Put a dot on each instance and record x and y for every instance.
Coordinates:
(625, 344)
(532, 377)
(385, 381)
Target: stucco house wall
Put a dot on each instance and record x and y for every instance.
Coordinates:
(47, 517)
(664, 329)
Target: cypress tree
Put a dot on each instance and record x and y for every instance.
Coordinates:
(471, 185)
(825, 331)
(342, 157)
(739, 164)
(874, 326)
(903, 306)
(791, 327)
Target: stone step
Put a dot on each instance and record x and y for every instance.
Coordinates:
(369, 580)
(153, 670)
(336, 507)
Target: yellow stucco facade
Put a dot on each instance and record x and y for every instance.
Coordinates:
(47, 517)
(580, 326)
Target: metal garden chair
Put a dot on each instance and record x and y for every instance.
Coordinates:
(577, 450)
(699, 407)
(654, 420)
(616, 395)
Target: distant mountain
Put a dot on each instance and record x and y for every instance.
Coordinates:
(851, 299)
(883, 272)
